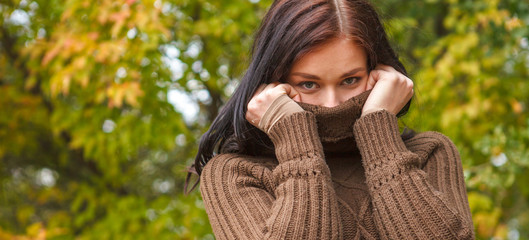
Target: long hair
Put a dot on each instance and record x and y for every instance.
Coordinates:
(290, 29)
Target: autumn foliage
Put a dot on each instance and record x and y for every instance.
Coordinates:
(102, 104)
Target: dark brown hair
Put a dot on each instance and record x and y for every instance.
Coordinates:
(289, 30)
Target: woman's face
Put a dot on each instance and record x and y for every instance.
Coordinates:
(331, 73)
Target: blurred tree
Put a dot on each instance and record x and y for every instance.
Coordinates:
(470, 63)
(92, 140)
(103, 103)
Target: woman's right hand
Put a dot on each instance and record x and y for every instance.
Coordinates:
(263, 98)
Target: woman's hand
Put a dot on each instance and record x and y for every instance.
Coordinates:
(263, 98)
(391, 90)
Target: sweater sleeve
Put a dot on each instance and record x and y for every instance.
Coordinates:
(302, 205)
(280, 107)
(410, 202)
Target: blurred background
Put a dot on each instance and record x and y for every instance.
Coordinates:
(103, 102)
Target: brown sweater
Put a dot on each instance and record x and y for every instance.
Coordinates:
(339, 176)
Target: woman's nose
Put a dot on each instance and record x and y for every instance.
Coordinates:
(331, 99)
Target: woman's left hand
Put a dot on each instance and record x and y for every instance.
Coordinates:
(391, 90)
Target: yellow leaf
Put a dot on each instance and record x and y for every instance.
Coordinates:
(517, 107)
(513, 23)
(51, 54)
(66, 84)
(471, 68)
(132, 93)
(115, 96)
(79, 63)
(83, 79)
(501, 232)
(36, 231)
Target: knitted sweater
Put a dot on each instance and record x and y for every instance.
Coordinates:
(338, 176)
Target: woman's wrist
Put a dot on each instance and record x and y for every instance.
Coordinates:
(282, 106)
(296, 136)
(372, 110)
(377, 135)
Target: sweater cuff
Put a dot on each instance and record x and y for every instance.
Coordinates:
(296, 137)
(280, 107)
(377, 134)
(384, 154)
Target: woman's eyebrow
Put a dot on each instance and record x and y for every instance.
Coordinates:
(311, 76)
(306, 75)
(352, 72)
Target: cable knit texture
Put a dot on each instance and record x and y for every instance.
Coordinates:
(339, 176)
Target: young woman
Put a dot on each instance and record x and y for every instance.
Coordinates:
(308, 147)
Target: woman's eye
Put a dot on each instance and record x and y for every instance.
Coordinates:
(308, 85)
(351, 80)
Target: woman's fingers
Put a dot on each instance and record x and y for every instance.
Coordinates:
(290, 92)
(372, 79)
(259, 89)
(391, 90)
(263, 98)
(270, 86)
(376, 74)
(385, 68)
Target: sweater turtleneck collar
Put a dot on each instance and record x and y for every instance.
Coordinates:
(335, 124)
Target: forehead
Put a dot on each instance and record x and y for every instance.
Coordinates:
(338, 54)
